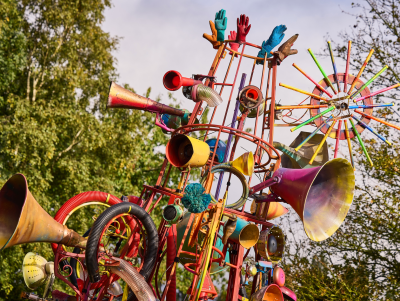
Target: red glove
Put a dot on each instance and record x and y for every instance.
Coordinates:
(243, 29)
(234, 46)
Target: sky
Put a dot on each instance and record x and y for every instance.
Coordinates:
(158, 36)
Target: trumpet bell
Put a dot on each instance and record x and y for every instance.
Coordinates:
(22, 220)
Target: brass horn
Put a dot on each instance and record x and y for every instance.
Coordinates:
(119, 97)
(22, 220)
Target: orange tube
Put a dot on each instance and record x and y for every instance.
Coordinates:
(377, 119)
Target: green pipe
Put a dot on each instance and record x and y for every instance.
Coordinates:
(368, 82)
(322, 71)
(312, 119)
(360, 141)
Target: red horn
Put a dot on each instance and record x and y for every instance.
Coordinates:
(173, 80)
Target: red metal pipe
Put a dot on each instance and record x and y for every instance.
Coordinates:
(171, 254)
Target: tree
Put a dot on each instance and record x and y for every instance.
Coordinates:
(360, 261)
(55, 67)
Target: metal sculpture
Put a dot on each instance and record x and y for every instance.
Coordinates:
(202, 232)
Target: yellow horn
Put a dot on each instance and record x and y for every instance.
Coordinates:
(22, 220)
(245, 163)
(183, 151)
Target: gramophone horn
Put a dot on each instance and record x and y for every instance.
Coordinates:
(22, 220)
(321, 196)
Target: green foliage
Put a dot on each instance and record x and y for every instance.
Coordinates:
(55, 69)
(360, 261)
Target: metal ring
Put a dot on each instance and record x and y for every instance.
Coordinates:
(228, 168)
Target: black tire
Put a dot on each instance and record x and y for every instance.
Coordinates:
(97, 229)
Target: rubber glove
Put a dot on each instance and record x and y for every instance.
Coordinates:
(286, 48)
(213, 38)
(220, 24)
(274, 39)
(243, 29)
(234, 46)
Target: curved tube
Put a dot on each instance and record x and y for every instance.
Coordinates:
(103, 220)
(204, 93)
(136, 282)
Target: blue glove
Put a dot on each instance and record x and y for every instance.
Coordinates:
(220, 24)
(275, 38)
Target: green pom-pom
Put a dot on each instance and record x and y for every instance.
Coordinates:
(194, 199)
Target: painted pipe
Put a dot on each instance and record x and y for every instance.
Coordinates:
(231, 134)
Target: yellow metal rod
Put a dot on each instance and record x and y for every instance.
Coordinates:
(303, 92)
(349, 142)
(323, 141)
(361, 71)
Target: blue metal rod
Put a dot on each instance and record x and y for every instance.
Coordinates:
(363, 124)
(228, 145)
(313, 133)
(372, 106)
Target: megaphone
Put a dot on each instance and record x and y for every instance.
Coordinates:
(250, 97)
(293, 158)
(245, 163)
(321, 196)
(183, 151)
(22, 220)
(268, 293)
(173, 80)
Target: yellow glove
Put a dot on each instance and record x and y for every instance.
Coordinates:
(213, 38)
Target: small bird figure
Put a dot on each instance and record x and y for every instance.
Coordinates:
(229, 228)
